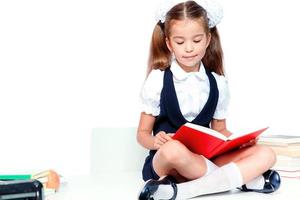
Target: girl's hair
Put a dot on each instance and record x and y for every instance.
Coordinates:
(160, 56)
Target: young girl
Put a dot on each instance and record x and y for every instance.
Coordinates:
(186, 83)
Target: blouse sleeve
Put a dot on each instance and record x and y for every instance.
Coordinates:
(150, 93)
(224, 97)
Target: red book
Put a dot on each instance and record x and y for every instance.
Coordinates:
(208, 142)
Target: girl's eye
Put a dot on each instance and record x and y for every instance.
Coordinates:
(179, 43)
(197, 41)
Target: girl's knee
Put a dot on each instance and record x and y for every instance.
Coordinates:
(172, 151)
(266, 154)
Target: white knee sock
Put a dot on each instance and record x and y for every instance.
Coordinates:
(166, 192)
(257, 183)
(210, 166)
(221, 179)
(163, 192)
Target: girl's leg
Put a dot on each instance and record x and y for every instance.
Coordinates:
(173, 158)
(251, 161)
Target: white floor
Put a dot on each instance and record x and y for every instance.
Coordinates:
(126, 186)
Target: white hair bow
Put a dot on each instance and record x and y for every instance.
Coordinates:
(213, 8)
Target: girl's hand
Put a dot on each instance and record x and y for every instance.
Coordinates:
(161, 138)
(171, 134)
(250, 143)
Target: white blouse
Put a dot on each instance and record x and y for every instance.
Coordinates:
(192, 91)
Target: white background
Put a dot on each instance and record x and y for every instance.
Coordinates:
(69, 66)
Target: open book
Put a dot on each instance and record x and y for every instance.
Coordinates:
(208, 142)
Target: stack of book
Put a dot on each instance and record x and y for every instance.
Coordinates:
(287, 149)
(49, 178)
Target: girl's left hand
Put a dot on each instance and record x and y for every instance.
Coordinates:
(171, 134)
(250, 143)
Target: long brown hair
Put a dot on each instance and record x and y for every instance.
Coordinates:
(160, 56)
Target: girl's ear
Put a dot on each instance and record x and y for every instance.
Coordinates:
(169, 44)
(208, 39)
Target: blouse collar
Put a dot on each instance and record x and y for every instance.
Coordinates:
(181, 75)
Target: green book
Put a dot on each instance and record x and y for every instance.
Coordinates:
(15, 177)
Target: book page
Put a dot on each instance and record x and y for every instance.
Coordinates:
(207, 131)
(256, 132)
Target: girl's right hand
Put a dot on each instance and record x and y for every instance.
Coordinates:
(161, 138)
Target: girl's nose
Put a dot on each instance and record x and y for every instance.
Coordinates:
(189, 47)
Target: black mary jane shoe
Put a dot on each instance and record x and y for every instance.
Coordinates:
(151, 187)
(272, 183)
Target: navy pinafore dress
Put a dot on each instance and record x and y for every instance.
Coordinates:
(171, 118)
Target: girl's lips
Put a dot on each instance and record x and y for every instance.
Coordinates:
(189, 56)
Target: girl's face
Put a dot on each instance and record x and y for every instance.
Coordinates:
(188, 41)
